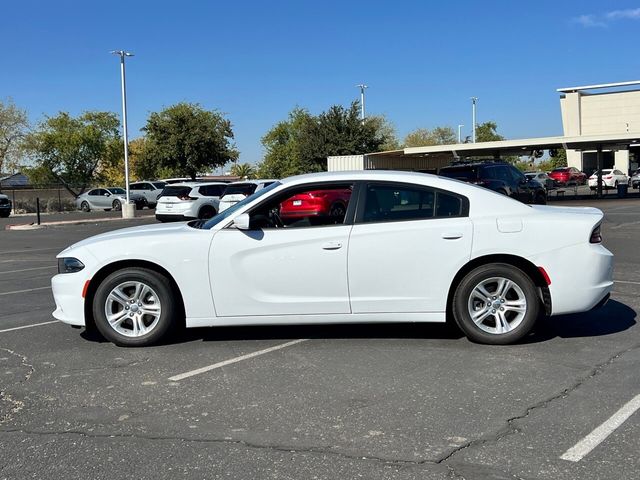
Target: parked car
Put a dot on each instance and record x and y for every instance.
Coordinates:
(149, 190)
(634, 180)
(110, 198)
(189, 200)
(316, 206)
(238, 191)
(412, 248)
(542, 178)
(500, 177)
(5, 206)
(611, 178)
(568, 176)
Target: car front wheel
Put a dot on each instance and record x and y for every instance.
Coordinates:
(134, 307)
(496, 304)
(117, 206)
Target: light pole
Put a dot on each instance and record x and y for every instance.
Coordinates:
(122, 54)
(474, 100)
(362, 87)
(460, 133)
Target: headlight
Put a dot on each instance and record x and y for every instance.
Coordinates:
(69, 265)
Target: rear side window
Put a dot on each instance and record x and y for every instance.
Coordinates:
(159, 184)
(392, 203)
(467, 174)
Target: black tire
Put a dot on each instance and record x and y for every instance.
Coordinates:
(464, 300)
(206, 212)
(5, 215)
(152, 206)
(117, 206)
(541, 199)
(84, 206)
(160, 286)
(615, 184)
(139, 206)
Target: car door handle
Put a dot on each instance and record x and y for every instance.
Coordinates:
(452, 235)
(332, 246)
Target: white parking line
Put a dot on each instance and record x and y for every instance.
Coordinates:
(34, 250)
(25, 291)
(626, 281)
(198, 371)
(29, 269)
(591, 441)
(28, 326)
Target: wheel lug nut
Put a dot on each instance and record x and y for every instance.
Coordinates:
(502, 300)
(126, 308)
(493, 311)
(131, 314)
(501, 309)
(495, 298)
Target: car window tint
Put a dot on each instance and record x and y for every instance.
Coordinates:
(211, 190)
(393, 203)
(94, 192)
(135, 186)
(460, 173)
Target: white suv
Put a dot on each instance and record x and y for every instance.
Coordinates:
(149, 190)
(238, 191)
(189, 200)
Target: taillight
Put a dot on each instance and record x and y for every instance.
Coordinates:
(596, 236)
(608, 177)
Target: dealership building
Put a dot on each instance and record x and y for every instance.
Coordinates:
(599, 122)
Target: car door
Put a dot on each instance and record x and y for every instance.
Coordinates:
(406, 246)
(276, 269)
(99, 198)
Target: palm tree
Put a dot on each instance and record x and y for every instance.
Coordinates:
(242, 170)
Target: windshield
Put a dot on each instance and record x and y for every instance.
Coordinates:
(117, 191)
(233, 209)
(240, 188)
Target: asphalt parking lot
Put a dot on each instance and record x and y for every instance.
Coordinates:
(399, 401)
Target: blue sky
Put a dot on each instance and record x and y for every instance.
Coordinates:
(255, 61)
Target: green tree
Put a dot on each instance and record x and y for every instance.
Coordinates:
(338, 131)
(423, 137)
(283, 156)
(189, 140)
(386, 131)
(243, 170)
(74, 150)
(488, 132)
(13, 128)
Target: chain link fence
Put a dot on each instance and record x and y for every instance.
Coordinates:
(53, 198)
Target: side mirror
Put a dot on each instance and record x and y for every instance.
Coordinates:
(241, 222)
(106, 194)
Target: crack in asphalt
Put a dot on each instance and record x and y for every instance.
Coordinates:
(510, 428)
(17, 405)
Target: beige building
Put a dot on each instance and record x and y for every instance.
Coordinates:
(606, 109)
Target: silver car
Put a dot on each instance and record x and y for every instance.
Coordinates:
(110, 198)
(149, 190)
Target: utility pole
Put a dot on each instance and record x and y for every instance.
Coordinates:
(460, 133)
(362, 87)
(474, 101)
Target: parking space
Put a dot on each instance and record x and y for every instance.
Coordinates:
(369, 401)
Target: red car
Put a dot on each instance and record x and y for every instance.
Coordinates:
(323, 205)
(568, 176)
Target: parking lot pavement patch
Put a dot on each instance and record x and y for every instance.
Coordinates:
(32, 226)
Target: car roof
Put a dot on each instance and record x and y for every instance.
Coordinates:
(475, 164)
(257, 182)
(195, 184)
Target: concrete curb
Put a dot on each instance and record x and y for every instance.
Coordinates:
(33, 226)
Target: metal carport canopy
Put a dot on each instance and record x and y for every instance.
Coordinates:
(527, 145)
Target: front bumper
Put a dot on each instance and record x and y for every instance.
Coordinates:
(67, 293)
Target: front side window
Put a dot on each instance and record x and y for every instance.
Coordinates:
(310, 206)
(392, 203)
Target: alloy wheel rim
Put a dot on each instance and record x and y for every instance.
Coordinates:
(132, 309)
(497, 305)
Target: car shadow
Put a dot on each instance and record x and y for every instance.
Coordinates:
(613, 317)
(338, 331)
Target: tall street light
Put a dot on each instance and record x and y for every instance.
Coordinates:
(460, 133)
(122, 54)
(362, 87)
(474, 101)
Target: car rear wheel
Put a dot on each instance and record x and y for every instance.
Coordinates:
(134, 307)
(496, 304)
(117, 206)
(84, 206)
(541, 199)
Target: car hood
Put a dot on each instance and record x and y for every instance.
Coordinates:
(138, 234)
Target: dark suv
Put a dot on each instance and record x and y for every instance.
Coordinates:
(499, 177)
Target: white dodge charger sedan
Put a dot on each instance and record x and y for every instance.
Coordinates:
(409, 247)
